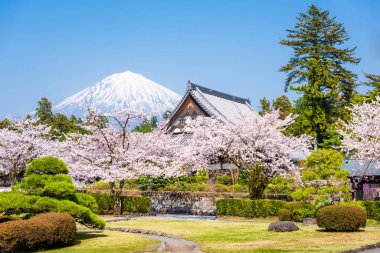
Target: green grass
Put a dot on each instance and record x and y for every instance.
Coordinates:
(107, 241)
(250, 236)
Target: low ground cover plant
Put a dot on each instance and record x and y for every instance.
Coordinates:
(39, 232)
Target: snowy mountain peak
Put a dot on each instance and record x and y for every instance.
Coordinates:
(119, 91)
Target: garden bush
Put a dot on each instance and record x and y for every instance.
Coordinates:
(136, 204)
(341, 218)
(130, 204)
(372, 208)
(249, 208)
(16, 203)
(48, 165)
(39, 232)
(104, 202)
(300, 210)
(285, 215)
(86, 200)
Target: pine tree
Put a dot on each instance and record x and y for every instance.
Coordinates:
(284, 105)
(265, 106)
(317, 71)
(44, 112)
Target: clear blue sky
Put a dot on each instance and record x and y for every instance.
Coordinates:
(56, 48)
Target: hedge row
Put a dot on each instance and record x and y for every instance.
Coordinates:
(373, 209)
(249, 208)
(130, 204)
(39, 232)
(16, 203)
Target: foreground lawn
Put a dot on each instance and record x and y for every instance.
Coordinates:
(108, 241)
(248, 236)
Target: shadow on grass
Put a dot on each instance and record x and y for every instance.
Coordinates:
(333, 231)
(84, 235)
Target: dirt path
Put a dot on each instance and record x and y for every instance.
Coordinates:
(168, 243)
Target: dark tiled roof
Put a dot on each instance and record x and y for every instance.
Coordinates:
(193, 86)
(362, 168)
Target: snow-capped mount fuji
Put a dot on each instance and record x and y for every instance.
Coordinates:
(120, 91)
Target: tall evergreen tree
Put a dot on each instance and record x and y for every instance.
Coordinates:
(265, 106)
(284, 105)
(317, 71)
(44, 112)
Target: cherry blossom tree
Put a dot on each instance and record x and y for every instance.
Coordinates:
(254, 143)
(114, 154)
(20, 143)
(361, 135)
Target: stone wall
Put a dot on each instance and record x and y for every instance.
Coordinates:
(196, 203)
(182, 203)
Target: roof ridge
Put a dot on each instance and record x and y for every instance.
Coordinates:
(193, 86)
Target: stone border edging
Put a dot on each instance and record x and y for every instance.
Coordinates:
(363, 248)
(142, 231)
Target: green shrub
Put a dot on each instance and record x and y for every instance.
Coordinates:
(220, 187)
(16, 203)
(341, 218)
(249, 208)
(136, 204)
(105, 203)
(373, 209)
(39, 232)
(300, 210)
(55, 186)
(47, 165)
(130, 204)
(294, 205)
(86, 200)
(285, 215)
(225, 180)
(304, 212)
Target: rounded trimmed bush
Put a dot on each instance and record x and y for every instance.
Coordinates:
(39, 232)
(285, 215)
(341, 218)
(47, 165)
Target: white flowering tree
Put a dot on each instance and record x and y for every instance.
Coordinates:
(20, 143)
(361, 135)
(114, 154)
(254, 143)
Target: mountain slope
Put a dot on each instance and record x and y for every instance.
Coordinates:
(118, 91)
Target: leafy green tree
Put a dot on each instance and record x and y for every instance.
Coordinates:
(44, 112)
(284, 105)
(373, 81)
(5, 123)
(324, 178)
(281, 185)
(317, 71)
(265, 106)
(147, 125)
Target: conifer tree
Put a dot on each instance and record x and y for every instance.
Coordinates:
(317, 71)
(44, 112)
(265, 106)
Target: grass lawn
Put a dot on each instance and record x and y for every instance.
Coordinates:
(249, 236)
(107, 241)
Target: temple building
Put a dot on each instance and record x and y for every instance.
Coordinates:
(365, 179)
(199, 101)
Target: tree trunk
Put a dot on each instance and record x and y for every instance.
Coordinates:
(116, 191)
(257, 182)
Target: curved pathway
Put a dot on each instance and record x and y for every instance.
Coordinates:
(168, 243)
